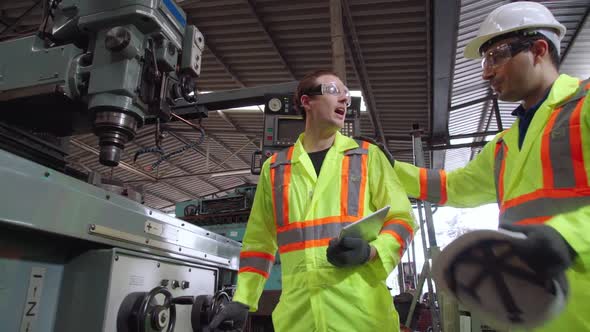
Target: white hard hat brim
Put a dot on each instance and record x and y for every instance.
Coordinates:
(472, 49)
(539, 304)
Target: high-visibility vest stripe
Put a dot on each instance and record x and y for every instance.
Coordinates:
(354, 177)
(311, 232)
(319, 221)
(401, 231)
(548, 181)
(544, 193)
(254, 270)
(565, 181)
(399, 240)
(561, 153)
(533, 221)
(433, 185)
(300, 235)
(499, 168)
(443, 187)
(257, 254)
(256, 262)
(576, 146)
(542, 207)
(423, 184)
(304, 245)
(280, 176)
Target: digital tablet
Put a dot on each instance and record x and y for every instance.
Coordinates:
(368, 227)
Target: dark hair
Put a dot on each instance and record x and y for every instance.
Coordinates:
(526, 36)
(309, 81)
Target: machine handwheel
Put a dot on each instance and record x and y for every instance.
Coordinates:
(156, 313)
(205, 308)
(140, 312)
(201, 313)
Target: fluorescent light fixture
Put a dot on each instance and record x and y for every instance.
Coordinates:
(230, 173)
(461, 140)
(358, 93)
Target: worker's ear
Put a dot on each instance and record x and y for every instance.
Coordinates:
(540, 48)
(305, 100)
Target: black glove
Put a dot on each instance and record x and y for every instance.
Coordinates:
(380, 145)
(544, 249)
(233, 312)
(348, 251)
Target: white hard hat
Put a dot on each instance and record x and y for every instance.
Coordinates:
(482, 271)
(522, 15)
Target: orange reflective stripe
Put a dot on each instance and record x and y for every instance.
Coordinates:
(443, 187)
(398, 238)
(287, 184)
(344, 186)
(257, 262)
(273, 159)
(280, 169)
(304, 245)
(576, 146)
(545, 193)
(253, 270)
(548, 180)
(401, 231)
(499, 168)
(258, 254)
(533, 221)
(400, 222)
(423, 184)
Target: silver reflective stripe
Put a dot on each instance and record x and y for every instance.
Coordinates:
(498, 168)
(354, 177)
(401, 231)
(560, 149)
(279, 184)
(433, 185)
(318, 232)
(256, 262)
(560, 143)
(543, 207)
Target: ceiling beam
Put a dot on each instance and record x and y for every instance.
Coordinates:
(20, 18)
(358, 65)
(139, 189)
(236, 127)
(445, 16)
(131, 169)
(188, 193)
(575, 36)
(254, 12)
(122, 164)
(183, 139)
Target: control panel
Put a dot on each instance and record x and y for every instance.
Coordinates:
(283, 123)
(193, 44)
(127, 291)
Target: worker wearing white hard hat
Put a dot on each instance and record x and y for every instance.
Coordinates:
(537, 172)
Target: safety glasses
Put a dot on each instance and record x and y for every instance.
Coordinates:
(330, 88)
(500, 54)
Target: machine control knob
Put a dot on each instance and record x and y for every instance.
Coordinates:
(185, 284)
(117, 39)
(164, 282)
(175, 284)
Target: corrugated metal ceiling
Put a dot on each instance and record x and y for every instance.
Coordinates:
(253, 43)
